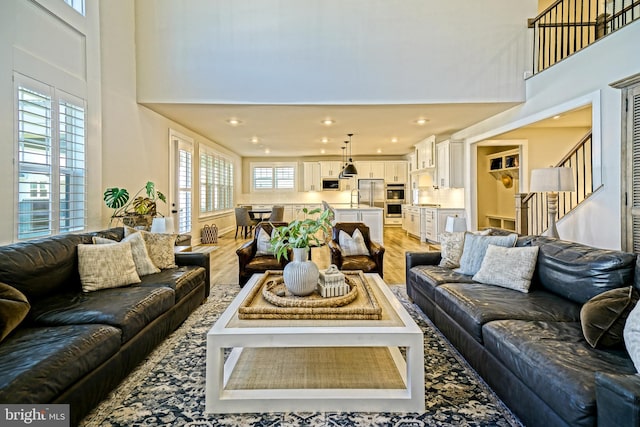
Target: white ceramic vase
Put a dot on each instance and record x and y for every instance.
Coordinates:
(301, 275)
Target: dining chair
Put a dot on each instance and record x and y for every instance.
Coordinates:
(249, 208)
(244, 221)
(277, 214)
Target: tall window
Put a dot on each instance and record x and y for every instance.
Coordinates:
(51, 194)
(184, 189)
(216, 181)
(273, 177)
(78, 5)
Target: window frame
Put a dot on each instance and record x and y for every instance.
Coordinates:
(208, 204)
(59, 163)
(273, 166)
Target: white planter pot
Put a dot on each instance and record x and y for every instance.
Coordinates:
(301, 275)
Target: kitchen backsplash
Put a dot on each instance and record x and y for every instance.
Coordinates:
(445, 197)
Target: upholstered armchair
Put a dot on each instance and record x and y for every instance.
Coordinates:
(250, 261)
(371, 263)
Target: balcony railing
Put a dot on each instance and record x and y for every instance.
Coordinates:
(568, 26)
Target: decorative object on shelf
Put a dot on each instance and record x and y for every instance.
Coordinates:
(209, 234)
(332, 283)
(507, 181)
(349, 168)
(301, 275)
(552, 180)
(137, 211)
(455, 224)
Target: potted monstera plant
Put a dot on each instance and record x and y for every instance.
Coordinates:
(136, 211)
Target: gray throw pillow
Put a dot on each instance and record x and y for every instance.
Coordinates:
(475, 247)
(510, 268)
(631, 335)
(354, 244)
(263, 243)
(603, 316)
(144, 265)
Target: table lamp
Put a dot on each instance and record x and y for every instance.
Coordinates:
(455, 224)
(551, 181)
(162, 225)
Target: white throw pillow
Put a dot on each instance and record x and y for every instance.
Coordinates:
(106, 266)
(631, 334)
(508, 267)
(160, 247)
(475, 246)
(263, 243)
(144, 264)
(352, 245)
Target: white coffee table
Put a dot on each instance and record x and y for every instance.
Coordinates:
(316, 365)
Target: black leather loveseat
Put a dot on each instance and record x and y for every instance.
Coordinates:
(529, 347)
(74, 347)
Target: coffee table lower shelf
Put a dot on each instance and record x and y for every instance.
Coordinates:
(295, 379)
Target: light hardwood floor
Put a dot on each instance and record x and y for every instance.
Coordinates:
(224, 261)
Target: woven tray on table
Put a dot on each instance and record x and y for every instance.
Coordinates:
(267, 300)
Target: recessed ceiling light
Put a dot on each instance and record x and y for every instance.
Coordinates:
(394, 140)
(421, 121)
(267, 151)
(379, 150)
(323, 151)
(254, 140)
(325, 140)
(556, 117)
(328, 122)
(234, 122)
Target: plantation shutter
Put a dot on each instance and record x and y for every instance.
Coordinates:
(633, 132)
(184, 188)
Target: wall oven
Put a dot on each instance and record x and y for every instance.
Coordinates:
(393, 210)
(394, 193)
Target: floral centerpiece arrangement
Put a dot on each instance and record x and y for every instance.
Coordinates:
(137, 210)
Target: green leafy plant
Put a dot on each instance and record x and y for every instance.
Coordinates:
(118, 199)
(301, 233)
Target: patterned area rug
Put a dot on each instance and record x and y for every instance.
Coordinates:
(168, 388)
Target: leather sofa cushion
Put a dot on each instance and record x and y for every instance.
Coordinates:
(42, 267)
(556, 362)
(130, 309)
(38, 364)
(182, 280)
(428, 277)
(579, 272)
(472, 305)
(263, 263)
(358, 262)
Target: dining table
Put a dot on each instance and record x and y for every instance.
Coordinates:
(260, 214)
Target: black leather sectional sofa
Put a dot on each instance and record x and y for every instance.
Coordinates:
(75, 347)
(529, 347)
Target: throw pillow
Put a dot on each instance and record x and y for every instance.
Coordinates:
(160, 247)
(106, 266)
(144, 265)
(263, 243)
(510, 268)
(451, 245)
(354, 244)
(631, 334)
(475, 246)
(14, 307)
(603, 316)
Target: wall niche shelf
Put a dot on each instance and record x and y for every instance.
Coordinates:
(504, 163)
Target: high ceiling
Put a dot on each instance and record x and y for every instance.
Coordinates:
(297, 130)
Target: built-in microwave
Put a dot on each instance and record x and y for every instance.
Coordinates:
(330, 184)
(395, 192)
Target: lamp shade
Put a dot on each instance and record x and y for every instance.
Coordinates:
(350, 170)
(551, 180)
(455, 224)
(162, 225)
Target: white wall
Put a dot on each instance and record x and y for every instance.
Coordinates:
(578, 80)
(332, 51)
(136, 139)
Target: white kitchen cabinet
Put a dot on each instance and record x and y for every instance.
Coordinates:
(412, 162)
(425, 153)
(312, 176)
(372, 217)
(330, 169)
(449, 170)
(396, 172)
(370, 169)
(411, 220)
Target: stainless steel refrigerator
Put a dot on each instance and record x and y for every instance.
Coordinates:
(371, 192)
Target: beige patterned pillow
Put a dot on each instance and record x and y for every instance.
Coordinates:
(160, 247)
(510, 268)
(451, 245)
(106, 266)
(144, 265)
(352, 245)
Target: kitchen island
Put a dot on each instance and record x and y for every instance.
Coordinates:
(372, 217)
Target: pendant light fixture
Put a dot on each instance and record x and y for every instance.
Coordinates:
(349, 169)
(343, 159)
